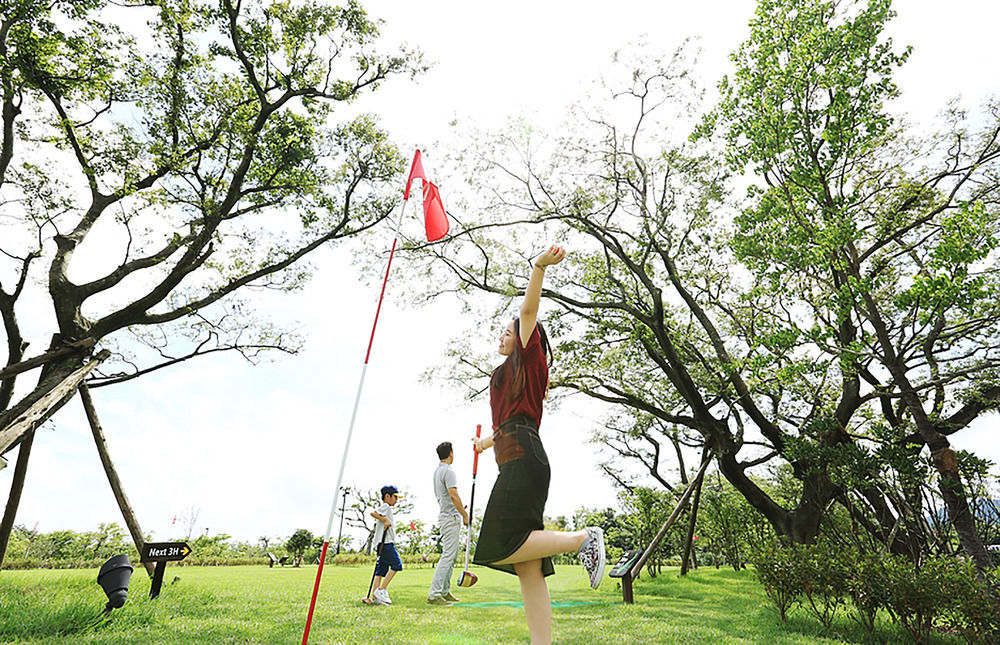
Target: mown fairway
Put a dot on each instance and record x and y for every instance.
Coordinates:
(261, 606)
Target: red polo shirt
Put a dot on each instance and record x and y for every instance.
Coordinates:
(536, 378)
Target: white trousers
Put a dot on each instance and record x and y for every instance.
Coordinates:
(451, 532)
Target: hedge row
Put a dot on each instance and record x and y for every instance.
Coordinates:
(941, 593)
(415, 561)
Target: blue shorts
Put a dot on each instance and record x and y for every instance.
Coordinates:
(388, 559)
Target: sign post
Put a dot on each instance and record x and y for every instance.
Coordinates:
(161, 553)
(624, 569)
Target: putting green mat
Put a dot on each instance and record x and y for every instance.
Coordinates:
(519, 605)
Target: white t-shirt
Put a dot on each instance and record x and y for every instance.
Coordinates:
(445, 478)
(385, 511)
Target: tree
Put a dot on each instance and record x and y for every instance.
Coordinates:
(845, 308)
(363, 502)
(199, 155)
(728, 526)
(645, 512)
(890, 242)
(297, 544)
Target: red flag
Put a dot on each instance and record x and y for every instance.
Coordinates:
(435, 219)
(416, 170)
(413, 526)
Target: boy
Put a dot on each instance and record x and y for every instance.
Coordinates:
(388, 559)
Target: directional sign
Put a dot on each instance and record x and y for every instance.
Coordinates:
(624, 565)
(164, 551)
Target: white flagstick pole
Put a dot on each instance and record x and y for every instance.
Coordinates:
(350, 432)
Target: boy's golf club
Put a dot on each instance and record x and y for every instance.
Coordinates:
(467, 578)
(378, 554)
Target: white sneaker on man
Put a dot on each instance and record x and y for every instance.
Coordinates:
(382, 597)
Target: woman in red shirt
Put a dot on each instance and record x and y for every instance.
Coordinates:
(513, 536)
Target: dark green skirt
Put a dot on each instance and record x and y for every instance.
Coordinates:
(517, 503)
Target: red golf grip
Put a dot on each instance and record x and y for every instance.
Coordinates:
(475, 458)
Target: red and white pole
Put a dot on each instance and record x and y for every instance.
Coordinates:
(350, 432)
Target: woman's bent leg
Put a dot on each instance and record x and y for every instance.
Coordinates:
(542, 544)
(537, 605)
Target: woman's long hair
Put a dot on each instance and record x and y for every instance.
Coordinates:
(513, 367)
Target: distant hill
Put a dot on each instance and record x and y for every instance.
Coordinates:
(985, 511)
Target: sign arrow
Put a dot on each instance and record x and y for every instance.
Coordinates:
(164, 551)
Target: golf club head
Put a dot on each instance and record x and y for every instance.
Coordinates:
(467, 579)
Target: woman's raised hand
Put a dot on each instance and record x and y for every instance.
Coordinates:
(554, 255)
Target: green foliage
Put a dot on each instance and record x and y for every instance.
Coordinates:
(824, 579)
(297, 544)
(778, 570)
(942, 592)
(707, 606)
(728, 526)
(810, 88)
(65, 548)
(868, 586)
(201, 139)
(645, 512)
(972, 608)
(918, 597)
(413, 538)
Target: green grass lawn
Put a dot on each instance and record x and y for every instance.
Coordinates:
(262, 606)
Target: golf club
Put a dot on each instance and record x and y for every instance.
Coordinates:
(467, 578)
(378, 554)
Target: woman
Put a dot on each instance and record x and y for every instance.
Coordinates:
(512, 537)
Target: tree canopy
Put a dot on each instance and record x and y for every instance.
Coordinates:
(178, 151)
(160, 159)
(795, 276)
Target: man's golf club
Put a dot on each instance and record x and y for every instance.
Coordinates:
(467, 578)
(378, 553)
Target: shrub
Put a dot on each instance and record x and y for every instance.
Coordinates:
(867, 586)
(777, 570)
(972, 607)
(823, 579)
(916, 597)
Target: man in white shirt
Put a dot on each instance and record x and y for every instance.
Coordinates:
(450, 520)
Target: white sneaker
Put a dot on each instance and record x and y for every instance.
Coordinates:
(592, 554)
(383, 597)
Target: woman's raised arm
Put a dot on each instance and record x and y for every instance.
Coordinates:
(533, 294)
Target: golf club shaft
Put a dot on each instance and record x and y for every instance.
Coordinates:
(472, 496)
(378, 554)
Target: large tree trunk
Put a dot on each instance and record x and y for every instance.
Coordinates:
(56, 386)
(950, 480)
(942, 455)
(109, 469)
(800, 525)
(950, 485)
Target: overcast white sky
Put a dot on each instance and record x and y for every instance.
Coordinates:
(257, 448)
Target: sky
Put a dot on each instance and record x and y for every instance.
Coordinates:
(253, 451)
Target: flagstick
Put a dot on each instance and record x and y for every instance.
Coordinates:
(350, 432)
